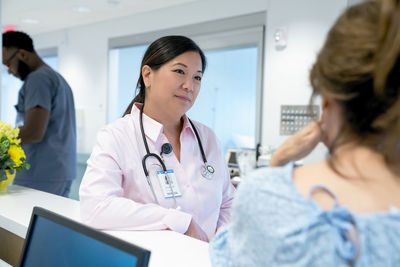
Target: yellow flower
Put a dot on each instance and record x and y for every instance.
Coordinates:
(16, 153)
(12, 133)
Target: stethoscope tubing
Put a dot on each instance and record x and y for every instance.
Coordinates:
(160, 160)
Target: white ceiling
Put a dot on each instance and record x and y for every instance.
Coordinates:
(59, 14)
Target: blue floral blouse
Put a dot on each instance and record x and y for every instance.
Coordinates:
(274, 225)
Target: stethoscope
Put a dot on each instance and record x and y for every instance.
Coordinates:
(207, 171)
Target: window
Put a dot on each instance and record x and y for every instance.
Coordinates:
(124, 68)
(227, 98)
(229, 101)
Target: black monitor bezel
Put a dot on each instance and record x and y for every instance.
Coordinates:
(142, 255)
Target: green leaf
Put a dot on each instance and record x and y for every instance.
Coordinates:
(4, 146)
(3, 149)
(3, 175)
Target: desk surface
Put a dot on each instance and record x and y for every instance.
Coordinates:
(17, 204)
(167, 248)
(4, 264)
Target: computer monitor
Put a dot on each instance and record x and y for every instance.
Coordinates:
(232, 160)
(232, 163)
(54, 240)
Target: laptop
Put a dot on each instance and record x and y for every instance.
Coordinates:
(54, 240)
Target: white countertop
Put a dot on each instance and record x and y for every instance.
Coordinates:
(16, 205)
(4, 264)
(167, 248)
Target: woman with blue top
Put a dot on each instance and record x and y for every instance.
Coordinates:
(342, 211)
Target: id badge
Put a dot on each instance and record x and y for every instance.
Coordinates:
(169, 183)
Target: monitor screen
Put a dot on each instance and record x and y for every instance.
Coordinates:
(232, 158)
(53, 244)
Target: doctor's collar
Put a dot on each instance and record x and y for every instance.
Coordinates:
(153, 128)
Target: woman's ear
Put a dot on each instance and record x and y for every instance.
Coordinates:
(325, 104)
(146, 74)
(324, 119)
(331, 120)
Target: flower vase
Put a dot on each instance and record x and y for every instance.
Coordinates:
(5, 183)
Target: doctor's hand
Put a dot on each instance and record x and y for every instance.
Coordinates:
(298, 145)
(195, 231)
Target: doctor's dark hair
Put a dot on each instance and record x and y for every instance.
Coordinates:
(18, 40)
(359, 67)
(160, 52)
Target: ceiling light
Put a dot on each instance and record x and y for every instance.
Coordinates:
(29, 21)
(113, 3)
(82, 9)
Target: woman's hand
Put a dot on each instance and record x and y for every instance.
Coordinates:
(298, 145)
(195, 231)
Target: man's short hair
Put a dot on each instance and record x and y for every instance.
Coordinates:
(19, 40)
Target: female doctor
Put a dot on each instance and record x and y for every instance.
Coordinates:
(155, 169)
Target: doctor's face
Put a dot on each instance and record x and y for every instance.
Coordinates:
(175, 85)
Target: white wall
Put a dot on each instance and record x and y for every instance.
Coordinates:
(286, 71)
(83, 53)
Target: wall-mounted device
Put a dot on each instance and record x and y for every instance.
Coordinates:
(281, 38)
(295, 117)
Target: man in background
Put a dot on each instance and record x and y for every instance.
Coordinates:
(45, 116)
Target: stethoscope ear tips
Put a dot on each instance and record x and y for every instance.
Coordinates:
(166, 148)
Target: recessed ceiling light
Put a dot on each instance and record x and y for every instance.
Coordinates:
(82, 9)
(29, 21)
(113, 3)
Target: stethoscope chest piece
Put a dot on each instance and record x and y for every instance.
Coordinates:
(207, 171)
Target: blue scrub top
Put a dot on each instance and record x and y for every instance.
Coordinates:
(53, 158)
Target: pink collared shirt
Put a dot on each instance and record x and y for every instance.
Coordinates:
(114, 192)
